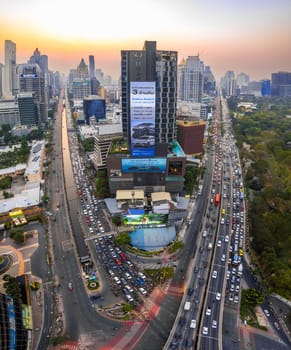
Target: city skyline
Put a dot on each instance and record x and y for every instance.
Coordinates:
(240, 36)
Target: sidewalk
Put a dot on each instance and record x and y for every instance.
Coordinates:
(37, 312)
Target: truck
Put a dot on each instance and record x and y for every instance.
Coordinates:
(187, 305)
(209, 246)
(217, 199)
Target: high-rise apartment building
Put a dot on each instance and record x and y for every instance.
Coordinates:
(281, 84)
(31, 79)
(10, 81)
(28, 109)
(191, 79)
(228, 84)
(149, 87)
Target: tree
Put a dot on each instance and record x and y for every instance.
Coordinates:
(252, 297)
(123, 239)
(11, 287)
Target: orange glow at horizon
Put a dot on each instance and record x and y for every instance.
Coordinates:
(225, 37)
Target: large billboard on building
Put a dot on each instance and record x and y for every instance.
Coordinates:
(142, 118)
(143, 165)
(145, 219)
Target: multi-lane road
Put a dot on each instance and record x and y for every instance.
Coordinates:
(200, 275)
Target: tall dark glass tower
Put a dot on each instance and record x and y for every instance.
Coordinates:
(91, 66)
(160, 68)
(32, 79)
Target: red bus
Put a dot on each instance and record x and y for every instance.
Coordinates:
(217, 199)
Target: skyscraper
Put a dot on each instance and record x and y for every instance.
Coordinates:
(228, 84)
(91, 66)
(156, 70)
(32, 80)
(191, 79)
(10, 81)
(28, 109)
(82, 70)
(41, 60)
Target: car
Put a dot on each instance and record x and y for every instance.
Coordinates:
(230, 298)
(218, 296)
(129, 297)
(128, 276)
(129, 288)
(142, 290)
(196, 269)
(214, 274)
(267, 313)
(219, 243)
(214, 324)
(70, 286)
(236, 299)
(193, 324)
(226, 238)
(222, 257)
(237, 288)
(231, 288)
(205, 330)
(204, 233)
(208, 311)
(277, 325)
(143, 129)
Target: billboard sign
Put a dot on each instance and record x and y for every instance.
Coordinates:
(143, 165)
(142, 118)
(145, 219)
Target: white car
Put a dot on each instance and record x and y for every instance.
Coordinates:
(214, 274)
(223, 257)
(226, 238)
(208, 311)
(218, 296)
(142, 290)
(219, 243)
(205, 330)
(214, 324)
(193, 324)
(267, 313)
(236, 299)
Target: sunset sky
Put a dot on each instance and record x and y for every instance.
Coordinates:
(251, 36)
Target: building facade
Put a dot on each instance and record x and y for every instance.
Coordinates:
(190, 135)
(191, 79)
(13, 334)
(32, 80)
(160, 68)
(10, 81)
(281, 84)
(94, 106)
(28, 109)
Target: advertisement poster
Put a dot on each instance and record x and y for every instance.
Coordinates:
(142, 165)
(142, 118)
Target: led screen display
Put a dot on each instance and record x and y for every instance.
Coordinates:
(141, 165)
(142, 118)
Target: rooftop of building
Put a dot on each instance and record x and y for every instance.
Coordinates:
(175, 150)
(161, 196)
(129, 194)
(35, 158)
(188, 123)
